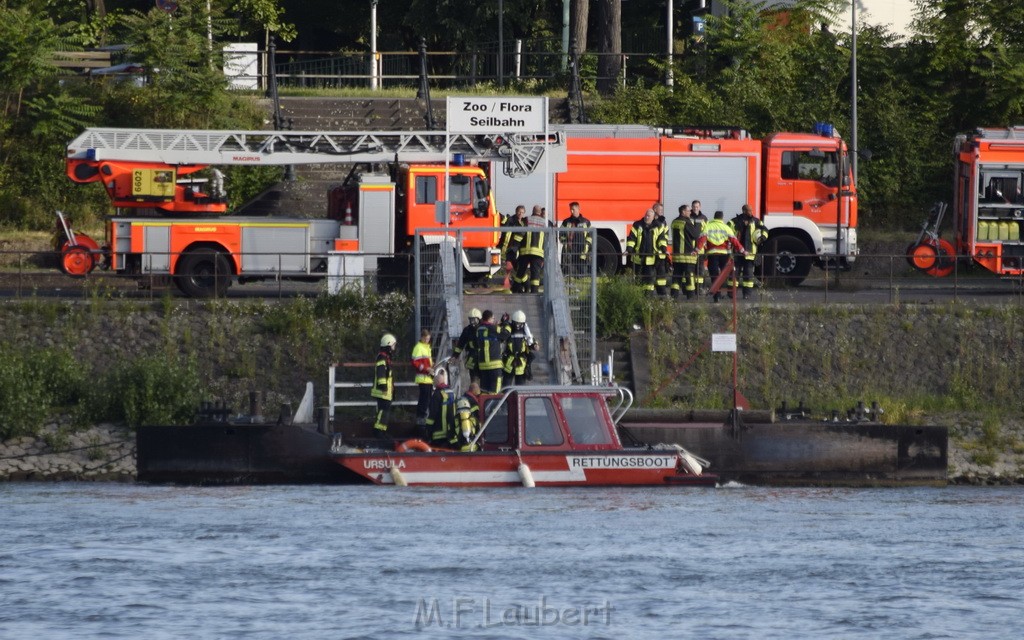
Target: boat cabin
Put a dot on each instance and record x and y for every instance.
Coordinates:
(553, 418)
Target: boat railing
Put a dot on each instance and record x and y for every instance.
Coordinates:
(623, 400)
(491, 412)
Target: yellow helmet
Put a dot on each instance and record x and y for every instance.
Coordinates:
(388, 340)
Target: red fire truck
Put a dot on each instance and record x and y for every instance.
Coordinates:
(987, 207)
(792, 181)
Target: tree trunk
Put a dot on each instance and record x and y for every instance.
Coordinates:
(579, 19)
(96, 8)
(609, 45)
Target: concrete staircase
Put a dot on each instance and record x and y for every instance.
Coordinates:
(532, 305)
(622, 365)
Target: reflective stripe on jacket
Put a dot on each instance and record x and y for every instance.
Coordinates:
(383, 378)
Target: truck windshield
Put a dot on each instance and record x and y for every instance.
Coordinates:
(814, 165)
(460, 190)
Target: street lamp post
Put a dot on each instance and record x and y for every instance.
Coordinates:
(373, 45)
(670, 27)
(501, 43)
(853, 90)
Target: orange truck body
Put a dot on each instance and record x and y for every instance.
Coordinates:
(376, 215)
(988, 202)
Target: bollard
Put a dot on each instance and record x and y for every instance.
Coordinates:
(323, 421)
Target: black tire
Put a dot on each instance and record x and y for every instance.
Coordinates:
(608, 259)
(203, 273)
(787, 260)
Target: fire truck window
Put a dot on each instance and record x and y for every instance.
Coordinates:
(819, 166)
(1003, 188)
(426, 189)
(460, 190)
(541, 428)
(497, 428)
(584, 425)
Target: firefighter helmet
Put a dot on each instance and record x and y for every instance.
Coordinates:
(519, 317)
(388, 340)
(462, 404)
(474, 314)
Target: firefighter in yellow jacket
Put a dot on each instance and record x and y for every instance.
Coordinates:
(750, 232)
(487, 350)
(423, 364)
(467, 418)
(441, 417)
(530, 261)
(684, 263)
(646, 246)
(717, 240)
(384, 383)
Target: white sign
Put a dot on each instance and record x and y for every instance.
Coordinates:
(471, 114)
(723, 342)
(240, 65)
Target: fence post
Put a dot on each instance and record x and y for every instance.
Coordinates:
(519, 58)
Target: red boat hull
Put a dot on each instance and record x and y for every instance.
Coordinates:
(502, 468)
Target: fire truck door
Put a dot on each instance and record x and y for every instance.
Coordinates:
(813, 176)
(273, 247)
(157, 247)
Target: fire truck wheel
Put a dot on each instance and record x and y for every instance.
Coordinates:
(608, 259)
(76, 261)
(787, 260)
(203, 273)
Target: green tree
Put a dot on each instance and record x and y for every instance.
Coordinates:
(975, 59)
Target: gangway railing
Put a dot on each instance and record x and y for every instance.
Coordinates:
(334, 385)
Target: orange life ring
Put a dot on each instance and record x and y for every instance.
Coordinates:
(412, 445)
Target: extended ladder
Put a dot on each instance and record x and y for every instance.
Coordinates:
(522, 153)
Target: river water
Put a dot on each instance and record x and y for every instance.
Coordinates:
(85, 560)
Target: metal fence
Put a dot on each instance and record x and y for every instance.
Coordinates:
(448, 69)
(874, 278)
(572, 289)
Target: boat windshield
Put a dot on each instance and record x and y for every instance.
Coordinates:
(497, 429)
(541, 426)
(585, 424)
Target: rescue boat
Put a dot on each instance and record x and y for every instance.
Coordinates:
(545, 436)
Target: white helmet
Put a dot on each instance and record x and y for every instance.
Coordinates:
(519, 316)
(474, 314)
(388, 340)
(462, 404)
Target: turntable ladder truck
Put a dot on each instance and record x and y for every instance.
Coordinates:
(390, 193)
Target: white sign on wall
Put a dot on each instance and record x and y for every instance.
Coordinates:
(723, 342)
(241, 65)
(487, 115)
